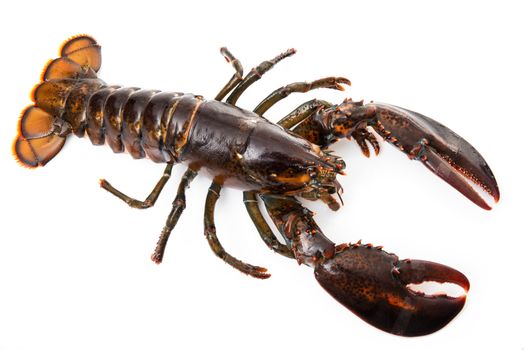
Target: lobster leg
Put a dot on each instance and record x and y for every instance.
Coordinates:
(235, 79)
(266, 233)
(214, 243)
(285, 91)
(179, 204)
(302, 112)
(150, 200)
(255, 74)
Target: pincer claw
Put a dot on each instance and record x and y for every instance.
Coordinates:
(440, 149)
(374, 285)
(419, 271)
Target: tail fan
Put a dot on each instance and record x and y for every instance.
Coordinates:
(36, 143)
(41, 132)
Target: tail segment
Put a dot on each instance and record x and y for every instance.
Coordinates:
(41, 130)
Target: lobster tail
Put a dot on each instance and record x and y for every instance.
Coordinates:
(43, 127)
(36, 143)
(80, 58)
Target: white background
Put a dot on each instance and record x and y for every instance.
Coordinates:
(74, 261)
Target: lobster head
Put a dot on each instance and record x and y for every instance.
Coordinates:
(284, 163)
(374, 285)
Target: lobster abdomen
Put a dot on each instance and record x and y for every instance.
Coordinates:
(137, 121)
(71, 99)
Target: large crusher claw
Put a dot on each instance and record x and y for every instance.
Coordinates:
(374, 285)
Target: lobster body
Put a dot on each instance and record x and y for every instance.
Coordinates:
(236, 147)
(273, 162)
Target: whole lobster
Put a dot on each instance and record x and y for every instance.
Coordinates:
(273, 162)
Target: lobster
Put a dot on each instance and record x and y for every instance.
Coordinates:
(272, 163)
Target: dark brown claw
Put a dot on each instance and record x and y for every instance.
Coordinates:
(374, 285)
(370, 282)
(440, 149)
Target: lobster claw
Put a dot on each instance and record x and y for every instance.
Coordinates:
(440, 149)
(374, 285)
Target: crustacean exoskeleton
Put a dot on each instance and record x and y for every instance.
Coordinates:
(273, 162)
